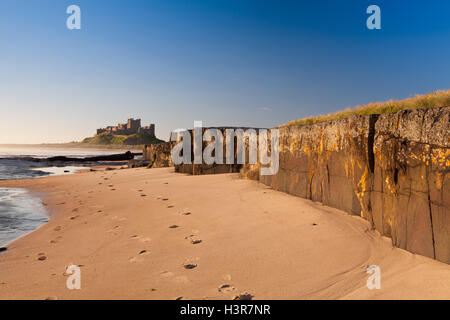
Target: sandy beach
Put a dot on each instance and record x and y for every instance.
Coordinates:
(134, 231)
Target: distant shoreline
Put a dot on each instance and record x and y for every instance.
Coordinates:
(75, 145)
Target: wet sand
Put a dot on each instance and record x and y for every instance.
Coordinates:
(154, 234)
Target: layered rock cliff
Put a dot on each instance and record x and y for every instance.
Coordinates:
(158, 154)
(391, 169)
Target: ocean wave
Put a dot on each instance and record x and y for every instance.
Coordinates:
(20, 213)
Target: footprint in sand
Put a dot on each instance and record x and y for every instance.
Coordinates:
(170, 206)
(58, 238)
(136, 237)
(226, 288)
(57, 228)
(41, 256)
(74, 217)
(174, 226)
(139, 257)
(115, 229)
(192, 239)
(243, 296)
(143, 195)
(165, 199)
(185, 212)
(190, 266)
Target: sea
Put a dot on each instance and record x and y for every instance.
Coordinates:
(20, 211)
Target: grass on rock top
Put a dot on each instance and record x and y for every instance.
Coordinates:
(434, 99)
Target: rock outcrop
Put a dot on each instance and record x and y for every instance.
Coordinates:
(214, 168)
(391, 169)
(158, 155)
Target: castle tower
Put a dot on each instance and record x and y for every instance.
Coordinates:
(152, 130)
(133, 125)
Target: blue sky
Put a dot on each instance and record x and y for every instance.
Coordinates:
(242, 63)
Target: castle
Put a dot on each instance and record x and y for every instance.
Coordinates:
(132, 126)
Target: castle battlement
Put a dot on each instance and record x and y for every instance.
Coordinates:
(132, 126)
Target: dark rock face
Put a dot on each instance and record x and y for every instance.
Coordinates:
(215, 168)
(158, 155)
(390, 169)
(326, 162)
(410, 193)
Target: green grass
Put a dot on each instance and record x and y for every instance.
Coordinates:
(121, 140)
(434, 99)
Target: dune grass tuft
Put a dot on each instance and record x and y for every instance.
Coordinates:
(434, 99)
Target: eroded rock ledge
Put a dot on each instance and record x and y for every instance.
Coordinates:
(391, 169)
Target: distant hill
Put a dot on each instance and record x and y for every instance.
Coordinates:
(121, 140)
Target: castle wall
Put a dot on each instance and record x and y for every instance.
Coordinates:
(131, 127)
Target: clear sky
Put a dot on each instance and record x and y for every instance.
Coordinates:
(231, 62)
